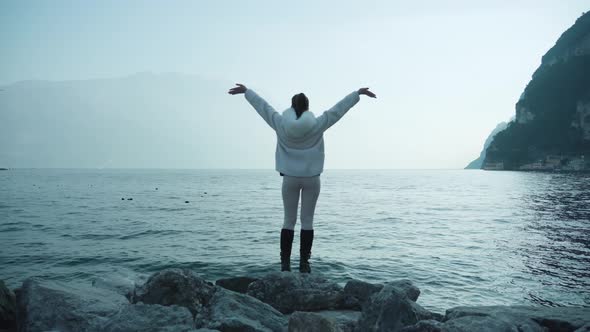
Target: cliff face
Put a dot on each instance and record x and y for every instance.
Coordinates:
(478, 163)
(551, 129)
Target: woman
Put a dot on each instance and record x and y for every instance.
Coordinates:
(299, 158)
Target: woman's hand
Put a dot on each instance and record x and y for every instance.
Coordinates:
(240, 88)
(366, 92)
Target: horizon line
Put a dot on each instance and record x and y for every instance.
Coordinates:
(229, 169)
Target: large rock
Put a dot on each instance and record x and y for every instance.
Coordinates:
(182, 287)
(289, 292)
(346, 320)
(311, 322)
(406, 287)
(45, 306)
(554, 319)
(149, 318)
(213, 307)
(230, 311)
(429, 325)
(492, 324)
(392, 309)
(116, 284)
(236, 284)
(7, 308)
(476, 323)
(356, 293)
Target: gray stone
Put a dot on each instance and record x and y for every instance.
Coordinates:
(230, 311)
(356, 293)
(237, 284)
(406, 287)
(7, 307)
(181, 287)
(289, 292)
(311, 322)
(213, 307)
(429, 325)
(149, 318)
(45, 306)
(553, 318)
(476, 323)
(118, 285)
(345, 319)
(491, 324)
(425, 314)
(391, 310)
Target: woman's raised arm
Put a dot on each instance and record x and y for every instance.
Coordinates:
(263, 108)
(331, 116)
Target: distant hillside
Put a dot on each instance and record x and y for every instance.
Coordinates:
(144, 120)
(478, 163)
(552, 125)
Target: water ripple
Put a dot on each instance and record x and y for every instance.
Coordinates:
(464, 237)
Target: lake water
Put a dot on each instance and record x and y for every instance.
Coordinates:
(464, 237)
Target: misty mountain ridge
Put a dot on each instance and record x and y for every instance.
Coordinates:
(143, 120)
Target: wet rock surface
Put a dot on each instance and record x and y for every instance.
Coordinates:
(551, 318)
(181, 300)
(46, 306)
(181, 287)
(236, 284)
(7, 308)
(301, 321)
(393, 308)
(232, 311)
(148, 318)
(289, 292)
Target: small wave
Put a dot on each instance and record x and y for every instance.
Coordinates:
(96, 236)
(171, 209)
(150, 232)
(32, 244)
(74, 213)
(11, 229)
(16, 223)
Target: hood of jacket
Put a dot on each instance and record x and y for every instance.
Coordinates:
(297, 128)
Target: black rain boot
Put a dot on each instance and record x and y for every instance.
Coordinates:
(305, 250)
(286, 244)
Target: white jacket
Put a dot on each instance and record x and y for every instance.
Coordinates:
(300, 142)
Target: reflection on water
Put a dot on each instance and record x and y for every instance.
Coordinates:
(557, 252)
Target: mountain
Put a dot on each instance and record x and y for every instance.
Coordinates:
(552, 124)
(478, 163)
(144, 120)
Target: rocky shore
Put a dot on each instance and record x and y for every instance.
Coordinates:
(180, 300)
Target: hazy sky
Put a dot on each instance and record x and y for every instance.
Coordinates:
(445, 72)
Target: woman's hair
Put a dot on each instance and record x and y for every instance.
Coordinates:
(300, 104)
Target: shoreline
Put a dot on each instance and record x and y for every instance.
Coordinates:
(276, 301)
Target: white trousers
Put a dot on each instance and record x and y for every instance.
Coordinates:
(310, 191)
